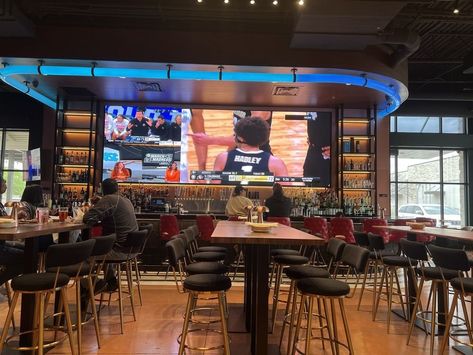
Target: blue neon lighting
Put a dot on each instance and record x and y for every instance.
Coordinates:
(392, 93)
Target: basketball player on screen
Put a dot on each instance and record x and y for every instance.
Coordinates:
(250, 134)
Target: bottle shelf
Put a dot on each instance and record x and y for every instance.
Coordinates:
(73, 166)
(75, 148)
(346, 154)
(358, 189)
(358, 171)
(76, 130)
(357, 137)
(71, 183)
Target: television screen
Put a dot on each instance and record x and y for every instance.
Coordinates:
(181, 145)
(33, 165)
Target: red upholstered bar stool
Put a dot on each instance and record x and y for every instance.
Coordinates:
(370, 223)
(317, 226)
(168, 226)
(206, 226)
(428, 222)
(395, 236)
(283, 220)
(342, 226)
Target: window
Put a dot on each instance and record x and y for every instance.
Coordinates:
(14, 144)
(427, 124)
(429, 183)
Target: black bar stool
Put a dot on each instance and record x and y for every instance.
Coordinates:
(41, 284)
(323, 289)
(296, 273)
(334, 250)
(455, 259)
(135, 263)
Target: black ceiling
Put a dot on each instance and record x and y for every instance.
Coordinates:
(436, 68)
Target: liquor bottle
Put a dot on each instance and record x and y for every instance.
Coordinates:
(351, 164)
(352, 145)
(357, 146)
(67, 159)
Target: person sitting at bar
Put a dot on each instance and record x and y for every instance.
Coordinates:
(161, 129)
(237, 203)
(278, 204)
(250, 134)
(117, 215)
(139, 126)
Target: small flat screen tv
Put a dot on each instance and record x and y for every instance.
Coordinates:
(155, 144)
(32, 160)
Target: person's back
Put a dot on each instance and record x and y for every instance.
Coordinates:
(279, 207)
(236, 206)
(117, 215)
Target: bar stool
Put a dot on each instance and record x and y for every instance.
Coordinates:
(335, 248)
(168, 226)
(135, 264)
(194, 244)
(439, 278)
(455, 259)
(131, 248)
(322, 289)
(342, 226)
(391, 265)
(296, 273)
(205, 285)
(44, 284)
(87, 272)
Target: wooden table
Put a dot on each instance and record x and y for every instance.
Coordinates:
(30, 233)
(257, 257)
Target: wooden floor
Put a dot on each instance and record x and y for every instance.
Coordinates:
(159, 322)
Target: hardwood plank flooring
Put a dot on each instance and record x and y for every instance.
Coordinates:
(159, 322)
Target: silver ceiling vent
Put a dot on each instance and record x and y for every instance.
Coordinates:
(285, 90)
(147, 86)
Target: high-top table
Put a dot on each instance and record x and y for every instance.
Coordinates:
(30, 233)
(257, 257)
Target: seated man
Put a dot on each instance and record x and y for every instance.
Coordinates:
(117, 215)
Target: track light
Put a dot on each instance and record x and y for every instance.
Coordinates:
(275, 2)
(456, 10)
(300, 2)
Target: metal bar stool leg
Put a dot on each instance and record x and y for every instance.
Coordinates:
(94, 310)
(221, 305)
(79, 318)
(185, 326)
(130, 288)
(120, 295)
(138, 280)
(9, 298)
(10, 313)
(40, 305)
(67, 316)
(345, 325)
(277, 284)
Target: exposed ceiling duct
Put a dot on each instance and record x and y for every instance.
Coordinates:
(354, 25)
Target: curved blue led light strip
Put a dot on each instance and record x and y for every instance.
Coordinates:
(344, 79)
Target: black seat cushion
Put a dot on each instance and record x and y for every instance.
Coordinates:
(206, 267)
(72, 270)
(213, 248)
(275, 252)
(467, 284)
(435, 274)
(207, 282)
(291, 259)
(381, 253)
(470, 260)
(303, 271)
(398, 261)
(38, 282)
(323, 287)
(209, 256)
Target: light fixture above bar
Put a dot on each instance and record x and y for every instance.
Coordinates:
(376, 82)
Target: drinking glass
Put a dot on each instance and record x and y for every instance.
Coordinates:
(63, 213)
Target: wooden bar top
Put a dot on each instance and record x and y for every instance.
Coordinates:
(457, 234)
(235, 232)
(35, 230)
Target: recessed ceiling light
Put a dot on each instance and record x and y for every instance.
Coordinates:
(456, 10)
(199, 1)
(252, 2)
(275, 2)
(300, 2)
(226, 1)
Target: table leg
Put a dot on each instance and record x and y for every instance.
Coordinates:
(412, 237)
(27, 300)
(259, 299)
